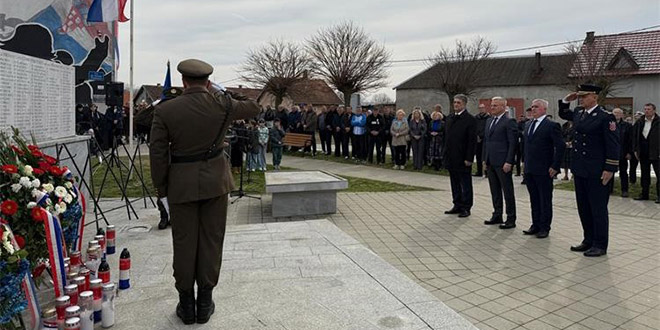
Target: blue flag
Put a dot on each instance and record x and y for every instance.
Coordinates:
(168, 81)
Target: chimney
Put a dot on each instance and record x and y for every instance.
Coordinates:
(240, 86)
(590, 37)
(539, 68)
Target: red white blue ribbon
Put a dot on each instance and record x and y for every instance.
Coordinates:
(30, 292)
(56, 253)
(77, 243)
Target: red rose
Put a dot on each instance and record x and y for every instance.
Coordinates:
(38, 172)
(20, 241)
(38, 214)
(44, 166)
(9, 207)
(37, 153)
(10, 169)
(50, 160)
(56, 171)
(38, 270)
(2, 231)
(33, 147)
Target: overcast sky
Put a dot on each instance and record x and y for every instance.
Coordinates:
(220, 32)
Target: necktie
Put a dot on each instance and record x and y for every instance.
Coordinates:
(492, 125)
(531, 128)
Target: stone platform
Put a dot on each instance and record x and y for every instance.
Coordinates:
(304, 192)
(294, 275)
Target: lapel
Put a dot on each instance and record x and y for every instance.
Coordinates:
(537, 129)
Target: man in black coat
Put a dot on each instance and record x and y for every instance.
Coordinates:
(544, 151)
(375, 128)
(482, 117)
(646, 142)
(625, 139)
(499, 147)
(460, 142)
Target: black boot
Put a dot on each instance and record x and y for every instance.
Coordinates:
(205, 305)
(164, 218)
(185, 310)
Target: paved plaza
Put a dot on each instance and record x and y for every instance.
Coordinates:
(493, 278)
(500, 279)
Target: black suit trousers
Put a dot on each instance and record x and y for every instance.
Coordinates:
(540, 188)
(375, 141)
(645, 165)
(339, 139)
(592, 198)
(500, 183)
(480, 147)
(461, 189)
(346, 138)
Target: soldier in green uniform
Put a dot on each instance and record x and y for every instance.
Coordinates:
(191, 173)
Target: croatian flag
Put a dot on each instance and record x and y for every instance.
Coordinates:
(107, 11)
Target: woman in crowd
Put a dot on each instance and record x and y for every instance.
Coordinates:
(263, 143)
(399, 132)
(417, 133)
(359, 123)
(436, 135)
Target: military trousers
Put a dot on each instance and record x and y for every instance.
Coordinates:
(198, 233)
(592, 198)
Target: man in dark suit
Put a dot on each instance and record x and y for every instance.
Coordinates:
(460, 142)
(595, 158)
(499, 149)
(544, 150)
(626, 153)
(482, 117)
(191, 174)
(646, 141)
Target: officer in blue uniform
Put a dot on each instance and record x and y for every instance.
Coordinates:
(595, 159)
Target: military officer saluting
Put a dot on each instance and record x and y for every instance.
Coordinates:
(189, 168)
(595, 159)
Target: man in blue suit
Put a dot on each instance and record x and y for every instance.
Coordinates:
(499, 148)
(595, 159)
(544, 150)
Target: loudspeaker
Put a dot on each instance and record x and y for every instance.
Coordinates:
(114, 94)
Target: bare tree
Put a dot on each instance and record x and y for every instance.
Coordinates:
(381, 98)
(461, 69)
(600, 62)
(347, 58)
(276, 67)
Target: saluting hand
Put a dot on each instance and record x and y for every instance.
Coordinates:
(606, 177)
(571, 97)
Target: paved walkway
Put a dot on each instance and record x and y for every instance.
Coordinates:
(500, 279)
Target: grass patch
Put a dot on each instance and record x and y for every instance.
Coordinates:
(388, 162)
(634, 190)
(256, 183)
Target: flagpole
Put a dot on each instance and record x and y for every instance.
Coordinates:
(130, 84)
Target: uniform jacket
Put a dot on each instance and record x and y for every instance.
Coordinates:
(400, 127)
(653, 138)
(543, 149)
(187, 126)
(500, 141)
(596, 145)
(460, 141)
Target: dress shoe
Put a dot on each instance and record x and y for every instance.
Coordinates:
(542, 234)
(464, 214)
(641, 198)
(494, 221)
(164, 222)
(624, 194)
(523, 182)
(530, 231)
(508, 225)
(657, 201)
(454, 210)
(580, 248)
(185, 309)
(595, 252)
(205, 305)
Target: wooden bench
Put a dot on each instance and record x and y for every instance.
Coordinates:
(297, 140)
